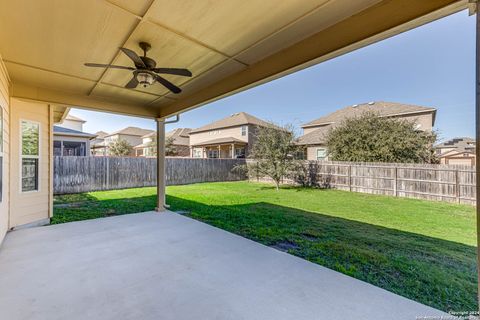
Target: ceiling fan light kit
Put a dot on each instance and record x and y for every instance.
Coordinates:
(145, 79)
(145, 72)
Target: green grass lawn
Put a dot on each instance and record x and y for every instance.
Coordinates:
(422, 250)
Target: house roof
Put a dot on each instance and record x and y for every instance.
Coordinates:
(101, 134)
(457, 145)
(317, 136)
(456, 142)
(236, 119)
(220, 141)
(384, 109)
(61, 131)
(180, 137)
(131, 131)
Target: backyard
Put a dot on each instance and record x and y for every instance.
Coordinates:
(422, 250)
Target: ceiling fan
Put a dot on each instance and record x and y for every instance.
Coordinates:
(145, 72)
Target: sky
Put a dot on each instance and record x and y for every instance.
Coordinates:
(432, 65)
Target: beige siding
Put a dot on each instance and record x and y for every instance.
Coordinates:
(424, 121)
(5, 105)
(29, 207)
(201, 137)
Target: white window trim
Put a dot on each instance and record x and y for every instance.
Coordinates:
(29, 156)
(246, 130)
(316, 153)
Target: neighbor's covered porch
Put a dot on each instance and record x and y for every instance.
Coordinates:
(229, 148)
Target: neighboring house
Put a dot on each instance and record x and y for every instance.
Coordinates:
(314, 132)
(69, 138)
(133, 135)
(230, 137)
(97, 145)
(69, 142)
(180, 142)
(72, 122)
(460, 151)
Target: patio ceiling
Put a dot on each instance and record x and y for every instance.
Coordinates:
(228, 45)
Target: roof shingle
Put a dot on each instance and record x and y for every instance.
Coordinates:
(384, 109)
(131, 131)
(236, 119)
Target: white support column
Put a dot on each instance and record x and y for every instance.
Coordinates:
(161, 205)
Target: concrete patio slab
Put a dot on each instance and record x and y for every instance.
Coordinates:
(166, 266)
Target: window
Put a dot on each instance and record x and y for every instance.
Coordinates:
(213, 153)
(197, 153)
(73, 148)
(30, 149)
(240, 152)
(321, 153)
(1, 153)
(244, 130)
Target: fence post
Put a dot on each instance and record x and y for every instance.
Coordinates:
(108, 172)
(457, 186)
(350, 178)
(395, 181)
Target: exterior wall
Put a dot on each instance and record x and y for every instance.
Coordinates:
(31, 207)
(5, 106)
(466, 161)
(454, 157)
(72, 124)
(424, 121)
(235, 132)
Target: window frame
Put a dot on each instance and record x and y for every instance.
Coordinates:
(324, 157)
(213, 151)
(243, 130)
(30, 156)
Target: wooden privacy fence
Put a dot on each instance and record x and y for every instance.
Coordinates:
(84, 174)
(422, 181)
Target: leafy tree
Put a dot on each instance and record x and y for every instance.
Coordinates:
(170, 148)
(370, 138)
(273, 151)
(119, 148)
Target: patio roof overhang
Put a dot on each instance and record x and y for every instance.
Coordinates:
(230, 47)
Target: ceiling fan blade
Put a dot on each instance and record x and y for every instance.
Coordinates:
(135, 58)
(175, 71)
(99, 65)
(170, 86)
(132, 83)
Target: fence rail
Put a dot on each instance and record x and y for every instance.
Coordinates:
(84, 174)
(422, 181)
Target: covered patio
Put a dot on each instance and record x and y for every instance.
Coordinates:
(151, 266)
(160, 265)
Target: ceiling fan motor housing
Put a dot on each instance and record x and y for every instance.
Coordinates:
(150, 63)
